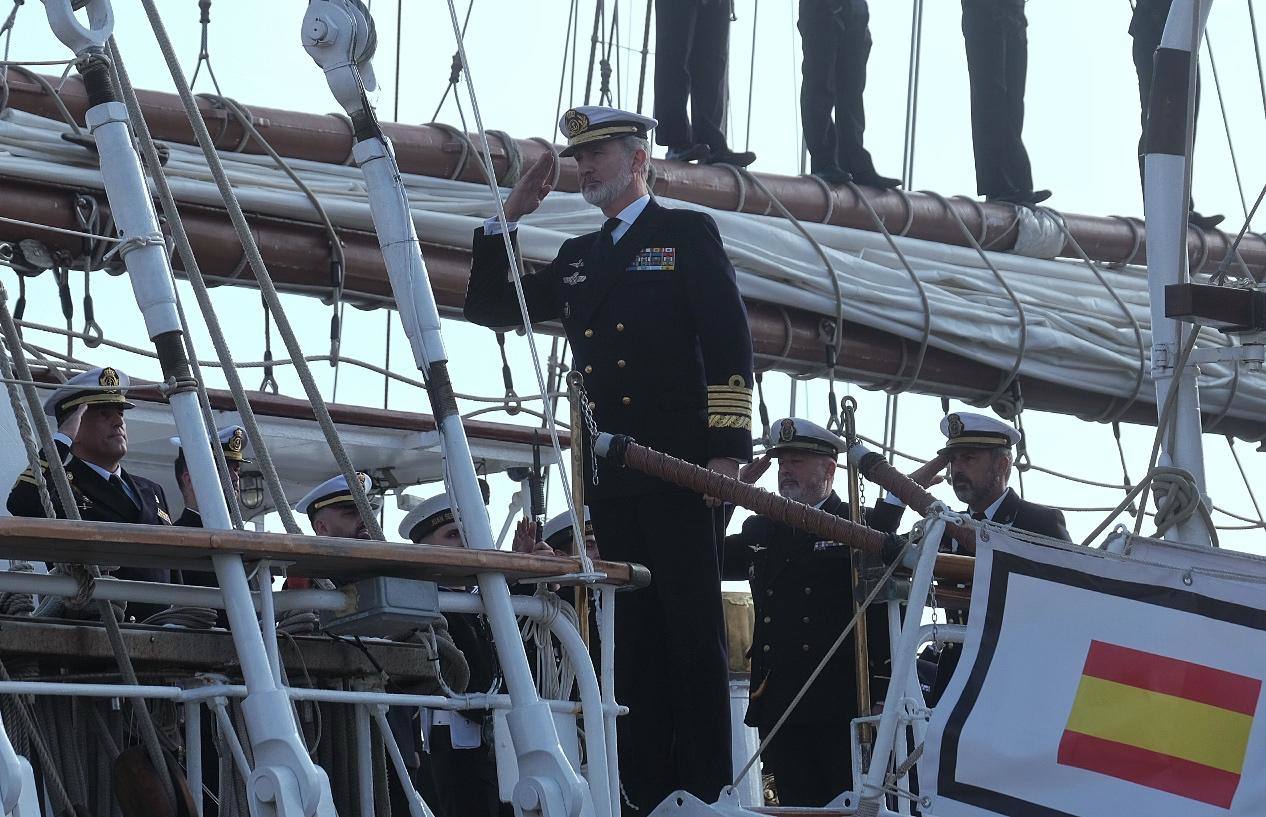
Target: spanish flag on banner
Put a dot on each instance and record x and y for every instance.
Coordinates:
(1159, 722)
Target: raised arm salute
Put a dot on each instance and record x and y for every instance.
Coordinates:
(653, 314)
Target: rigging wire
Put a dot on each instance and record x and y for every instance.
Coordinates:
(455, 70)
(1226, 124)
(570, 34)
(646, 42)
(599, 16)
(912, 94)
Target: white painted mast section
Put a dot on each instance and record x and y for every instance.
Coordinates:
(285, 780)
(1166, 202)
(336, 34)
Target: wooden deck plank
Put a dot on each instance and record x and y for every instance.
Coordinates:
(55, 540)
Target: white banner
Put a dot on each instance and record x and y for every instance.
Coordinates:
(1094, 685)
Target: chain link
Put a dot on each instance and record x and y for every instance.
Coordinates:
(591, 426)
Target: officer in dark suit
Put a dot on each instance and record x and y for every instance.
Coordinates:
(91, 442)
(997, 64)
(653, 314)
(1147, 24)
(835, 39)
(801, 588)
(978, 448)
(233, 441)
(692, 54)
(458, 776)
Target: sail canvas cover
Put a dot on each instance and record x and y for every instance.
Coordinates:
(1096, 685)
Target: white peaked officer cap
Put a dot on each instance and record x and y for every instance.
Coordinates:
(331, 492)
(593, 123)
(93, 387)
(232, 440)
(432, 514)
(558, 531)
(966, 429)
(797, 434)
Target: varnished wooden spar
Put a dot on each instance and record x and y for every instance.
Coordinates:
(56, 540)
(623, 450)
(435, 150)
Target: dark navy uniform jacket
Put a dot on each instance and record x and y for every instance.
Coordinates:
(99, 501)
(656, 326)
(802, 590)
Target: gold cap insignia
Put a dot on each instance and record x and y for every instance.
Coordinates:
(786, 431)
(109, 378)
(236, 441)
(955, 426)
(575, 123)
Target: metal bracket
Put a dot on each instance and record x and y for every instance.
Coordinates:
(339, 36)
(1252, 355)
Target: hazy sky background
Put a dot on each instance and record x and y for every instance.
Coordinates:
(1081, 131)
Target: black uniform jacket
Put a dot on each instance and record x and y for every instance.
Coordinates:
(802, 590)
(1026, 516)
(99, 501)
(656, 326)
(473, 637)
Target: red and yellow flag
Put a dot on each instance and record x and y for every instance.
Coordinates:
(1160, 722)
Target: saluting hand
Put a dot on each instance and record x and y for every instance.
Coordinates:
(525, 540)
(532, 188)
(754, 470)
(930, 473)
(70, 426)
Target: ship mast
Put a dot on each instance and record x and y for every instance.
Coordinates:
(1166, 203)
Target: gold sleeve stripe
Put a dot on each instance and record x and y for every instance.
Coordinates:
(730, 389)
(729, 421)
(729, 406)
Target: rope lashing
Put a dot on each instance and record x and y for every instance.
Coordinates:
(512, 400)
(269, 383)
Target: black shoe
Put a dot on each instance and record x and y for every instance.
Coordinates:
(873, 179)
(1204, 222)
(738, 158)
(687, 153)
(1022, 198)
(833, 176)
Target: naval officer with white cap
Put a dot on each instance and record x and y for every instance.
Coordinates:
(801, 591)
(332, 510)
(232, 440)
(91, 442)
(978, 451)
(459, 772)
(658, 329)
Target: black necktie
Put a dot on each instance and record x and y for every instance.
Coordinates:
(979, 516)
(117, 482)
(608, 229)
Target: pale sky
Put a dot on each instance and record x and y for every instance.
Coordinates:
(1081, 131)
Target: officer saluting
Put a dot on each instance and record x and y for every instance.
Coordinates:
(652, 311)
(800, 588)
(233, 442)
(91, 442)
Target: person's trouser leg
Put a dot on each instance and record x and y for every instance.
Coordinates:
(709, 73)
(674, 33)
(851, 31)
(996, 46)
(645, 734)
(810, 762)
(817, 83)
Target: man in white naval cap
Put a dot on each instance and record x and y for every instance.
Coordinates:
(332, 510)
(801, 592)
(91, 442)
(657, 327)
(978, 449)
(459, 772)
(232, 441)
